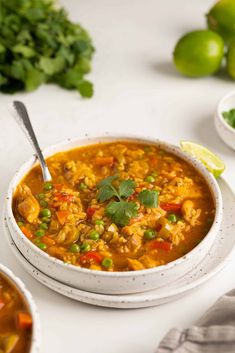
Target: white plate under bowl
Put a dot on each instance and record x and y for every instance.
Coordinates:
(113, 282)
(218, 256)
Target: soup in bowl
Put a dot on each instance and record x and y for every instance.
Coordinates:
(117, 207)
(18, 318)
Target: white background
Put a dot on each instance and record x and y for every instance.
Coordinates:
(137, 91)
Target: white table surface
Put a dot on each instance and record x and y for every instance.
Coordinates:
(137, 91)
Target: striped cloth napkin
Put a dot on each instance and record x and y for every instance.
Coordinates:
(213, 333)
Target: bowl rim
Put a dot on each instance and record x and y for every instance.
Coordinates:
(219, 111)
(36, 330)
(91, 139)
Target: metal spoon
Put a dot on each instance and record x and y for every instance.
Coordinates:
(24, 122)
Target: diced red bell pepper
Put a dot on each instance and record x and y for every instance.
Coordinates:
(172, 207)
(64, 197)
(91, 256)
(2, 303)
(24, 320)
(164, 245)
(58, 186)
(90, 211)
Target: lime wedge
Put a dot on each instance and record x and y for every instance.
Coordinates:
(212, 162)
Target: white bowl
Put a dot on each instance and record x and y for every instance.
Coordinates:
(225, 131)
(113, 282)
(36, 332)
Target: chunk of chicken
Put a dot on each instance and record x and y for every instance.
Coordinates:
(135, 265)
(190, 213)
(170, 231)
(148, 262)
(27, 205)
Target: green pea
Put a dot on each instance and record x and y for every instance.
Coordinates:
(37, 240)
(43, 226)
(172, 218)
(150, 179)
(42, 246)
(41, 196)
(74, 248)
(147, 149)
(99, 222)
(154, 174)
(85, 247)
(43, 203)
(83, 186)
(94, 235)
(107, 262)
(46, 219)
(149, 234)
(45, 212)
(39, 233)
(48, 186)
(20, 224)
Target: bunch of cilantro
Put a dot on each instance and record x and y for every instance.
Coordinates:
(38, 44)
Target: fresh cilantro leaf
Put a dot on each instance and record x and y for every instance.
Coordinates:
(121, 212)
(107, 181)
(26, 51)
(85, 88)
(126, 188)
(229, 117)
(148, 198)
(105, 193)
(106, 189)
(34, 78)
(51, 66)
(39, 44)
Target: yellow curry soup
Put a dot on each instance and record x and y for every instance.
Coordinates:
(15, 320)
(117, 206)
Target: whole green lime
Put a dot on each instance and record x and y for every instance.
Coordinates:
(199, 53)
(221, 18)
(231, 60)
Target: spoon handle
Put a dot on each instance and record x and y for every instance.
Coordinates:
(24, 122)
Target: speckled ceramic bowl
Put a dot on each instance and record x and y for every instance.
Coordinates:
(113, 282)
(36, 333)
(225, 131)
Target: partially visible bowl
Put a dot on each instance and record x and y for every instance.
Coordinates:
(27, 297)
(113, 282)
(225, 131)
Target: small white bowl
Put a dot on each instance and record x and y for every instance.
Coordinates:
(225, 131)
(36, 331)
(113, 282)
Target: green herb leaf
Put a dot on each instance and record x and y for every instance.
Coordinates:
(51, 66)
(39, 44)
(126, 188)
(148, 198)
(229, 117)
(107, 181)
(106, 189)
(121, 212)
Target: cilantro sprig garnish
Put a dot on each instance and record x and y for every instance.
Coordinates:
(229, 117)
(39, 44)
(121, 210)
